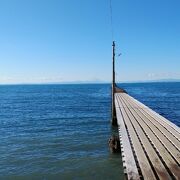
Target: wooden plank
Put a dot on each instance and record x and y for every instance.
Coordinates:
(155, 160)
(169, 126)
(158, 141)
(166, 134)
(160, 121)
(140, 154)
(141, 105)
(127, 153)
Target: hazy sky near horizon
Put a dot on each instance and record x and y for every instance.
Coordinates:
(70, 40)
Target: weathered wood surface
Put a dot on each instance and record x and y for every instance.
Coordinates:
(150, 144)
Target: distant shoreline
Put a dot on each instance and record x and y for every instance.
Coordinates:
(86, 83)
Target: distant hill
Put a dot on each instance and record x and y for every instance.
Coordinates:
(150, 81)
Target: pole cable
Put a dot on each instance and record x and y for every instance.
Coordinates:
(111, 18)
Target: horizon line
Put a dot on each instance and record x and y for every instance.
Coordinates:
(93, 82)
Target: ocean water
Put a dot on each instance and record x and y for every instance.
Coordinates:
(51, 132)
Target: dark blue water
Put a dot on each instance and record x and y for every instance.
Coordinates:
(61, 131)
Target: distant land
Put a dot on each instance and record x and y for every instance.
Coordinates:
(95, 82)
(107, 82)
(150, 81)
(104, 82)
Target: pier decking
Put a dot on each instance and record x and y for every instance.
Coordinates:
(150, 144)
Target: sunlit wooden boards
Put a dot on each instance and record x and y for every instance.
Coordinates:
(150, 144)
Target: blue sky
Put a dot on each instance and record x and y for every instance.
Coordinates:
(70, 40)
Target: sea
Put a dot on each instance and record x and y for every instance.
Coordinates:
(59, 132)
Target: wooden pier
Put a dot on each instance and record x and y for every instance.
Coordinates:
(150, 144)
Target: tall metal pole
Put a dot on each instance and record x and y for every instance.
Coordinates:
(114, 121)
